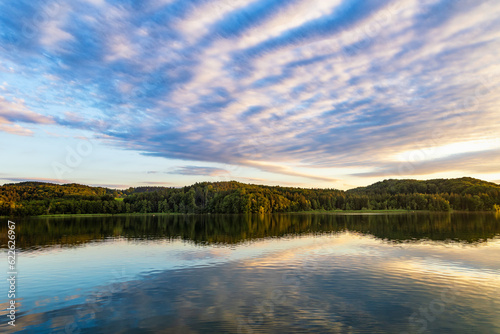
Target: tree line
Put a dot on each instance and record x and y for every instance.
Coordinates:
(36, 198)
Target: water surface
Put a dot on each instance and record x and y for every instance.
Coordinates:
(384, 273)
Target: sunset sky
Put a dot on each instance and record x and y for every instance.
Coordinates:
(309, 93)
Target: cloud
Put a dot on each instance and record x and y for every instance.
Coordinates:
(482, 162)
(35, 179)
(346, 15)
(277, 169)
(156, 183)
(272, 85)
(195, 170)
(15, 111)
(14, 129)
(51, 32)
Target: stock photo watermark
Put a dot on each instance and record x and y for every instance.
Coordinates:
(469, 105)
(50, 9)
(365, 35)
(11, 273)
(73, 158)
(419, 321)
(98, 301)
(292, 281)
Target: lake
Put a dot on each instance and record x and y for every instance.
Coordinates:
(286, 273)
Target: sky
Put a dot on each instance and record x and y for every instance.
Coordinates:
(307, 93)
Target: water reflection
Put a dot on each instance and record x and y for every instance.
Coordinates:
(234, 229)
(253, 274)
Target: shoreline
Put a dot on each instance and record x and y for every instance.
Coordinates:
(338, 212)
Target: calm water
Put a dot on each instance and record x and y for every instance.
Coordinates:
(400, 273)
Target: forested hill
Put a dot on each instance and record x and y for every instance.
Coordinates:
(37, 198)
(462, 186)
(16, 192)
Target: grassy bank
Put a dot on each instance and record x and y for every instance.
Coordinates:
(98, 215)
(340, 212)
(173, 214)
(360, 211)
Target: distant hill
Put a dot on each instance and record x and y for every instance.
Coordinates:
(462, 186)
(39, 198)
(27, 191)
